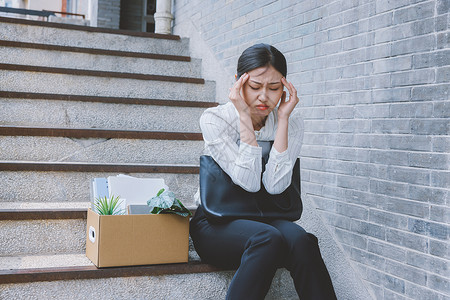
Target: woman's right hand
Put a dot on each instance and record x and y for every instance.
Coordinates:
(236, 95)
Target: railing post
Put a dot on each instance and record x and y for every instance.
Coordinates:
(163, 16)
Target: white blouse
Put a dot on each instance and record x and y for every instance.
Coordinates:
(220, 129)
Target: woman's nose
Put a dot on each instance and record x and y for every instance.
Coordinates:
(262, 96)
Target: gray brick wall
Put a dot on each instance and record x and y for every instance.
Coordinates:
(108, 14)
(374, 83)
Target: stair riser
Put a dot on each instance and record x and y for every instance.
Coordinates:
(32, 186)
(75, 38)
(38, 237)
(180, 286)
(20, 81)
(100, 150)
(70, 114)
(36, 57)
(45, 238)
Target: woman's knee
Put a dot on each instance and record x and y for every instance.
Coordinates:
(269, 241)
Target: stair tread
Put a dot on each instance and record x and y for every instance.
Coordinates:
(52, 210)
(78, 266)
(109, 74)
(88, 28)
(96, 133)
(103, 99)
(121, 53)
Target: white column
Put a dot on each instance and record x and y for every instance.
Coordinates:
(163, 16)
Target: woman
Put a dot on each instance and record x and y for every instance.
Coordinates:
(255, 248)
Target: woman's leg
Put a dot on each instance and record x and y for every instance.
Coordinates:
(255, 248)
(305, 263)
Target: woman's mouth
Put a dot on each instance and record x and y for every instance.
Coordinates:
(262, 107)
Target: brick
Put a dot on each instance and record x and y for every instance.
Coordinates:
(324, 203)
(398, 158)
(441, 23)
(380, 21)
(387, 188)
(405, 207)
(388, 281)
(337, 221)
(442, 6)
(440, 214)
(417, 44)
(349, 238)
(422, 76)
(328, 126)
(438, 283)
(409, 175)
(372, 111)
(431, 229)
(429, 160)
(412, 110)
(397, 94)
(339, 167)
(440, 179)
(360, 126)
(414, 291)
(367, 258)
(323, 177)
(427, 194)
(387, 250)
(392, 64)
(441, 109)
(430, 126)
(387, 294)
(436, 92)
(427, 262)
(388, 219)
(443, 40)
(342, 140)
(353, 182)
(368, 229)
(433, 59)
(440, 249)
(417, 12)
(313, 151)
(440, 144)
(408, 240)
(443, 74)
(409, 273)
(392, 126)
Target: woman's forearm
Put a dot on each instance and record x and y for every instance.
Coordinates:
(281, 137)
(247, 133)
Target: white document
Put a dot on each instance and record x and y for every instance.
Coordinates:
(134, 190)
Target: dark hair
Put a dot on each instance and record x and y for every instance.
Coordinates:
(261, 55)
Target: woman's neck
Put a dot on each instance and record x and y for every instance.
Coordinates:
(258, 122)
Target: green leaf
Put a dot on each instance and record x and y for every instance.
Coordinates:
(165, 203)
(111, 206)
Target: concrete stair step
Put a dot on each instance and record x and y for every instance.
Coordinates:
(96, 83)
(20, 30)
(77, 111)
(42, 182)
(73, 277)
(31, 55)
(99, 146)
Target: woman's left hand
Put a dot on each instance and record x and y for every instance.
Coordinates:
(286, 107)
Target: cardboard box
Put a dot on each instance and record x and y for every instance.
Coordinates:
(127, 240)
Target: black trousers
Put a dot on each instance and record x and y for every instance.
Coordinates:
(257, 250)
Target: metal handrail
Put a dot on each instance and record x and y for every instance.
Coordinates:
(23, 11)
(66, 13)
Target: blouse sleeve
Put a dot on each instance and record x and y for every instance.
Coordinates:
(242, 163)
(278, 174)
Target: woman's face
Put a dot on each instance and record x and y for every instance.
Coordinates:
(263, 90)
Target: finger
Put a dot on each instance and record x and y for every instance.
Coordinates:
(283, 97)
